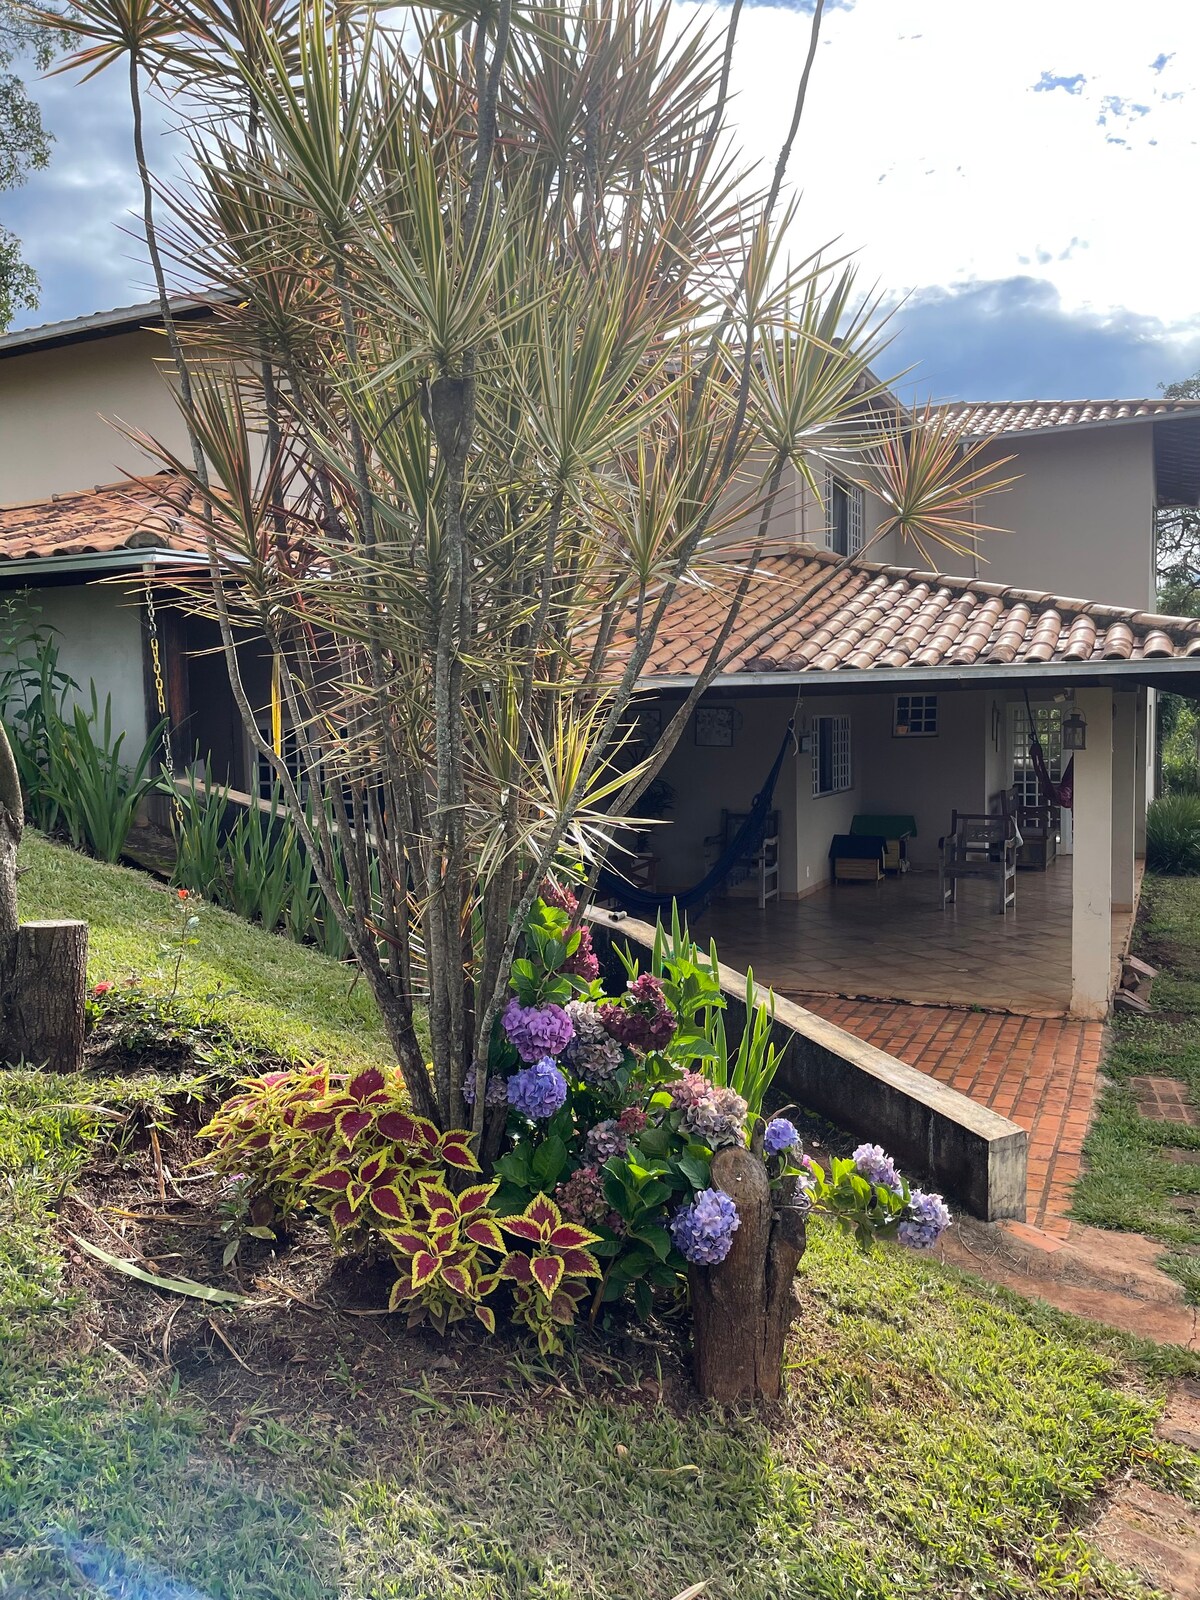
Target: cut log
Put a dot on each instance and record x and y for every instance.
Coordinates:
(47, 1003)
(743, 1307)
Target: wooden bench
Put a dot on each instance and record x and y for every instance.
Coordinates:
(979, 846)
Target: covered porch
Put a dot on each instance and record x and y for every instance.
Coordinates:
(894, 940)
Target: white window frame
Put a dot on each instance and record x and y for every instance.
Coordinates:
(855, 512)
(1025, 786)
(841, 774)
(915, 716)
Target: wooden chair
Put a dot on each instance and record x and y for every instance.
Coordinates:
(763, 865)
(979, 846)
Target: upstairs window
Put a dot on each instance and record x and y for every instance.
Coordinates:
(831, 755)
(916, 716)
(843, 516)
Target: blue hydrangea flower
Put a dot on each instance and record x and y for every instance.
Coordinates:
(780, 1135)
(925, 1220)
(703, 1231)
(876, 1167)
(539, 1090)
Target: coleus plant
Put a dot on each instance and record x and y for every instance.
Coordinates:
(551, 1279)
(441, 1250)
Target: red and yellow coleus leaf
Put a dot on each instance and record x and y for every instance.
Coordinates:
(425, 1268)
(389, 1202)
(483, 1231)
(402, 1290)
(368, 1085)
(455, 1278)
(341, 1215)
(517, 1266)
(455, 1150)
(522, 1228)
(487, 1316)
(542, 1210)
(396, 1126)
(435, 1198)
(351, 1123)
(547, 1273)
(316, 1120)
(336, 1179)
(570, 1236)
(406, 1240)
(476, 1198)
(580, 1264)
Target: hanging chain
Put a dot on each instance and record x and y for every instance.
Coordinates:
(168, 757)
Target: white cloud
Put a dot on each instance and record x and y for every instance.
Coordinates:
(927, 144)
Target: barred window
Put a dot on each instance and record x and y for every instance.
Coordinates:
(916, 716)
(843, 516)
(831, 755)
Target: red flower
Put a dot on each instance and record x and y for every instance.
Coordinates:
(182, 893)
(102, 988)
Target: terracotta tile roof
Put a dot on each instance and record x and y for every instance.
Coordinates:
(134, 514)
(986, 418)
(872, 616)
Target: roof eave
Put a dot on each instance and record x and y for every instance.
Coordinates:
(1084, 673)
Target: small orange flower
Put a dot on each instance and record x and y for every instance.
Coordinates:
(182, 893)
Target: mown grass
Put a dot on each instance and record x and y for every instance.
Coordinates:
(1129, 1182)
(941, 1440)
(279, 996)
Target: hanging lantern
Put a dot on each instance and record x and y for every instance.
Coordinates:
(1074, 732)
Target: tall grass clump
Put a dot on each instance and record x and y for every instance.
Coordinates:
(1173, 835)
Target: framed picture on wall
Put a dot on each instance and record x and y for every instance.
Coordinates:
(649, 724)
(714, 726)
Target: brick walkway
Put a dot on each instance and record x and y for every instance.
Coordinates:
(1040, 1071)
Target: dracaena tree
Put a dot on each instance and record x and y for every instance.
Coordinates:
(508, 350)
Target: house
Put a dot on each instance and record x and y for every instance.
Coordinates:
(911, 692)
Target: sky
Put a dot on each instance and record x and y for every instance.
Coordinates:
(1018, 181)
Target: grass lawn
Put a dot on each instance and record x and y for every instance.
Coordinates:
(940, 1441)
(1130, 1180)
(277, 995)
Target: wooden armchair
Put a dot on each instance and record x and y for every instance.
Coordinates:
(979, 846)
(762, 866)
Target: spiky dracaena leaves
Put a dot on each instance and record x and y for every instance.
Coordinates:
(527, 354)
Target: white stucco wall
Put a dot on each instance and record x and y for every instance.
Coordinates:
(100, 638)
(1080, 519)
(53, 404)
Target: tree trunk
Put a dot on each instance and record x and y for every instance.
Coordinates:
(742, 1308)
(46, 1010)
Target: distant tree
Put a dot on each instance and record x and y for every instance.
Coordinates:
(24, 144)
(1178, 535)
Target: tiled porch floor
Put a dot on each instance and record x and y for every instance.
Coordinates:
(893, 940)
(1040, 1071)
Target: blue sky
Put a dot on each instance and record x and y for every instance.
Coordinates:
(1017, 180)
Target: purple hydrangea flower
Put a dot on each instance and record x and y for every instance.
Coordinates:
(496, 1093)
(689, 1090)
(538, 1091)
(703, 1231)
(720, 1118)
(605, 1140)
(644, 1021)
(537, 1031)
(780, 1135)
(581, 1197)
(876, 1167)
(593, 1054)
(925, 1220)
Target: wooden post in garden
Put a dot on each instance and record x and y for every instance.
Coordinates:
(47, 1010)
(43, 965)
(743, 1307)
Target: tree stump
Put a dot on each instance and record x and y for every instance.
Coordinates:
(743, 1307)
(46, 1009)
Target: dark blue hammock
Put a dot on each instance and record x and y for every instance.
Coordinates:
(744, 843)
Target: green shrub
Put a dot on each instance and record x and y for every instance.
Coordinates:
(1173, 834)
(97, 794)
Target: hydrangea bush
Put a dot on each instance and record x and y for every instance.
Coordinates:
(609, 1109)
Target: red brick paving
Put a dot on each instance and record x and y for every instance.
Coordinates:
(1164, 1100)
(1039, 1071)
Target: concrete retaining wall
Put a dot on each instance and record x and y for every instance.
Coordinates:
(974, 1155)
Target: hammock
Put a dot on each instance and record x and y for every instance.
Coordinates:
(743, 843)
(1061, 793)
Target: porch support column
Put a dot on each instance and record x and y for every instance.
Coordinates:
(1091, 892)
(1141, 794)
(1124, 799)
